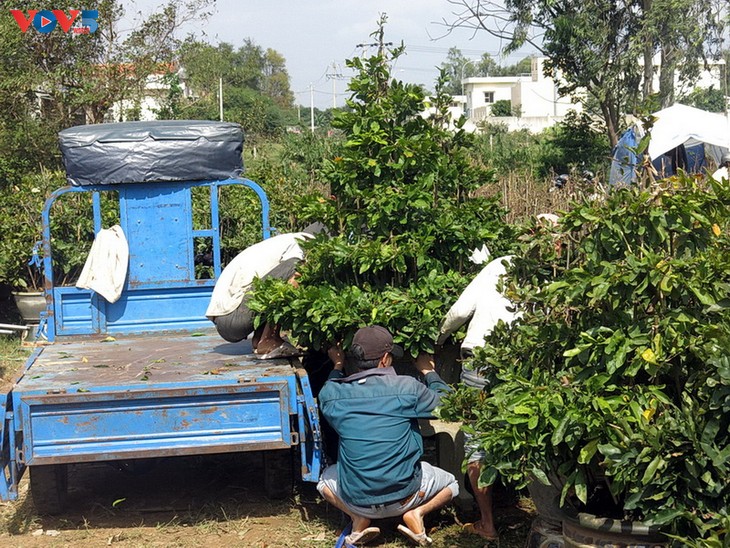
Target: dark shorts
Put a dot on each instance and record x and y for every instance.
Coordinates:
(472, 449)
(238, 325)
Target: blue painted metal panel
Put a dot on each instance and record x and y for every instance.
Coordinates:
(10, 469)
(160, 309)
(309, 429)
(161, 395)
(80, 427)
(75, 314)
(157, 222)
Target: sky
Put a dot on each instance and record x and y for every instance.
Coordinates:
(315, 37)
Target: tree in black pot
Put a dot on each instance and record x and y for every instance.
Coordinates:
(615, 382)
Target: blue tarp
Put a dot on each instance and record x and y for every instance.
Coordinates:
(624, 159)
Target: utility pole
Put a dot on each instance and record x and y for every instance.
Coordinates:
(334, 76)
(220, 97)
(311, 107)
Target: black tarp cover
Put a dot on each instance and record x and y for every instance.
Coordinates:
(158, 151)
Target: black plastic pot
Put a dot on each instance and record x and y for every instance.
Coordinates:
(586, 531)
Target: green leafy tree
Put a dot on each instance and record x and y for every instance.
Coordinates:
(683, 33)
(595, 45)
(710, 99)
(456, 68)
(575, 144)
(401, 216)
(614, 384)
(55, 80)
(503, 107)
(255, 83)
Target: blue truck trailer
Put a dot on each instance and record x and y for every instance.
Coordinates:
(145, 376)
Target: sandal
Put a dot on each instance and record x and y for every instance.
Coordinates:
(285, 350)
(362, 537)
(420, 539)
(348, 539)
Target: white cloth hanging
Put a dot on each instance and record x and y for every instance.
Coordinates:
(106, 266)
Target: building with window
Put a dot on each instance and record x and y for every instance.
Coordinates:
(534, 99)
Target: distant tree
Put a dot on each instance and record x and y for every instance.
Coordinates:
(276, 83)
(520, 68)
(487, 66)
(594, 44)
(50, 81)
(256, 90)
(503, 107)
(577, 143)
(456, 68)
(711, 99)
(683, 33)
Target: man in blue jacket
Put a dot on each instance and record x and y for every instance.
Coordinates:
(375, 412)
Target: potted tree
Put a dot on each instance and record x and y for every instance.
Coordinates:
(21, 205)
(615, 382)
(20, 226)
(401, 216)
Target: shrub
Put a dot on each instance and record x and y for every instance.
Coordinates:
(617, 379)
(503, 107)
(401, 217)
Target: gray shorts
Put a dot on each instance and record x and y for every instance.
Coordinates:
(473, 452)
(238, 325)
(433, 481)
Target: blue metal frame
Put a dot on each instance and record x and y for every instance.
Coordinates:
(83, 299)
(84, 401)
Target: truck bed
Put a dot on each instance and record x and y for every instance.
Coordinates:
(136, 362)
(162, 395)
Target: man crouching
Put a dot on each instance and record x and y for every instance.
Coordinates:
(375, 412)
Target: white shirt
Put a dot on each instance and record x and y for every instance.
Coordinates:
(721, 174)
(253, 262)
(481, 303)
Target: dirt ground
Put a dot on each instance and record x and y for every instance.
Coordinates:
(210, 501)
(216, 501)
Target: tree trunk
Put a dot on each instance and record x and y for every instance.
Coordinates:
(648, 83)
(610, 117)
(666, 75)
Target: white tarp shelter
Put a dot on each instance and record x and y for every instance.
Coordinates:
(703, 135)
(689, 126)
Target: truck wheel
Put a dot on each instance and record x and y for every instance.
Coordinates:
(49, 488)
(278, 475)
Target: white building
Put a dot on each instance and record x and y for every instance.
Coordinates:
(533, 97)
(146, 107)
(710, 77)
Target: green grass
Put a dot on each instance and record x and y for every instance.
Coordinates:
(12, 355)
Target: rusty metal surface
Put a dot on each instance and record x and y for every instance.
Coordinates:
(145, 360)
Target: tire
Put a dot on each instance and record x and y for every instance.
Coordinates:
(49, 488)
(278, 474)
